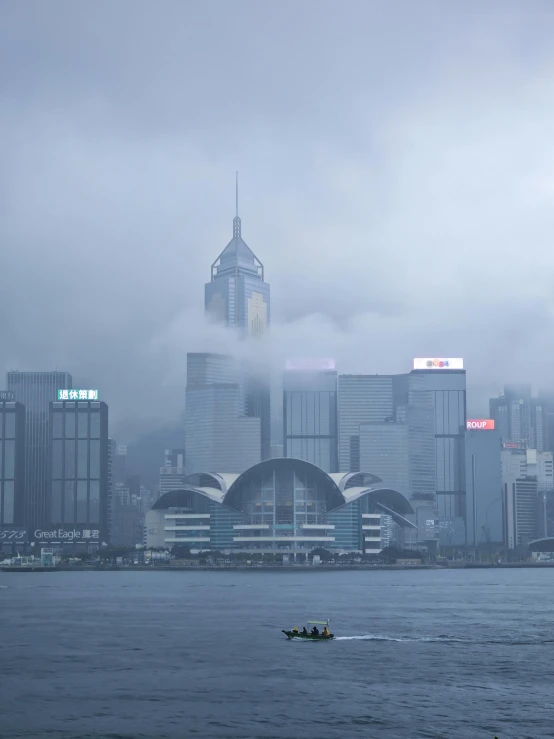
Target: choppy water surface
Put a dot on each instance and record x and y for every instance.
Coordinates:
(161, 654)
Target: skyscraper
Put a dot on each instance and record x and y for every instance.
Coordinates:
(527, 479)
(484, 518)
(310, 426)
(36, 390)
(219, 436)
(362, 399)
(237, 294)
(521, 418)
(384, 451)
(444, 388)
(12, 463)
(79, 470)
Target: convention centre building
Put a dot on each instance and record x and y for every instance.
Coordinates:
(280, 506)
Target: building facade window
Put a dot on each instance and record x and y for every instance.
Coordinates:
(79, 465)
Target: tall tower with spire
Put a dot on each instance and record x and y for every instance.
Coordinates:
(237, 293)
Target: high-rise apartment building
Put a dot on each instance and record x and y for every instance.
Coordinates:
(12, 463)
(219, 436)
(310, 414)
(78, 489)
(36, 390)
(520, 418)
(362, 399)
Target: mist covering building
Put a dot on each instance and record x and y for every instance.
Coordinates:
(219, 435)
(239, 297)
(520, 418)
(237, 293)
(173, 473)
(310, 414)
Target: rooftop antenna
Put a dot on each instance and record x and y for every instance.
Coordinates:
(236, 220)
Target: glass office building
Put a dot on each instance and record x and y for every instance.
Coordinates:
(310, 419)
(446, 389)
(218, 433)
(520, 418)
(36, 390)
(384, 449)
(79, 453)
(362, 399)
(239, 297)
(484, 516)
(12, 464)
(280, 506)
(237, 293)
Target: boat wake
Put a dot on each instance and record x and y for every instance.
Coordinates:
(379, 637)
(446, 639)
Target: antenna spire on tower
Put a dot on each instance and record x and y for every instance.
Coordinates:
(236, 219)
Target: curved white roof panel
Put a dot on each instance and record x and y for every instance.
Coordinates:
(339, 478)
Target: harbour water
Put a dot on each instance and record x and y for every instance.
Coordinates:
(163, 655)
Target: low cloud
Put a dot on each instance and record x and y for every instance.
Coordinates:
(399, 190)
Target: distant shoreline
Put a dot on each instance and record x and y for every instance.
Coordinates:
(284, 568)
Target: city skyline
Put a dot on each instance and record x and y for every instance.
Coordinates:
(347, 203)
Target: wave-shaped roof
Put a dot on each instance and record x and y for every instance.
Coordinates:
(340, 488)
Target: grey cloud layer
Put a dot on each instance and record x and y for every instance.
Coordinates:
(396, 181)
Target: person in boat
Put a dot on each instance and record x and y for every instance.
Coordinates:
(326, 631)
(295, 629)
(305, 631)
(315, 631)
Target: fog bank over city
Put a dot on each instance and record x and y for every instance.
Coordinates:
(396, 183)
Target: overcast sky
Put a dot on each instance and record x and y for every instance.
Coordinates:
(397, 181)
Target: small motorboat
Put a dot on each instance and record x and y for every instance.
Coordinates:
(314, 634)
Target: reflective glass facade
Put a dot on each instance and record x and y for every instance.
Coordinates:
(219, 436)
(484, 517)
(36, 390)
(310, 421)
(79, 466)
(447, 392)
(237, 294)
(348, 527)
(12, 463)
(362, 399)
(239, 297)
(384, 449)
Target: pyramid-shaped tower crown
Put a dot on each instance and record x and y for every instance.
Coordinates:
(237, 255)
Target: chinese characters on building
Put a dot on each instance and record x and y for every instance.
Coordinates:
(77, 394)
